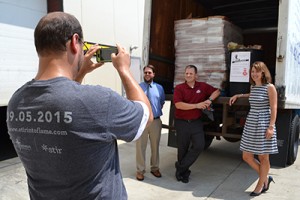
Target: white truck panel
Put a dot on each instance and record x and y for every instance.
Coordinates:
(110, 22)
(19, 61)
(288, 52)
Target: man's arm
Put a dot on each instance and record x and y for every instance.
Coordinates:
(162, 96)
(201, 105)
(134, 92)
(215, 95)
(179, 104)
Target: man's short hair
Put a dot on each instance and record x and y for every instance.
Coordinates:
(54, 30)
(192, 67)
(151, 67)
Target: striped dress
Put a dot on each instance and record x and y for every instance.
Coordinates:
(258, 120)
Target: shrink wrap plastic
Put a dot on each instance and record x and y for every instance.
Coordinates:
(203, 42)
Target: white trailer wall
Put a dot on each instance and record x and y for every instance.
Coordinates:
(293, 54)
(110, 22)
(18, 60)
(288, 52)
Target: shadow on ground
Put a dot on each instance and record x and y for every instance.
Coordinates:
(219, 167)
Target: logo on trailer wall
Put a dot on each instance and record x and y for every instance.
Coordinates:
(245, 73)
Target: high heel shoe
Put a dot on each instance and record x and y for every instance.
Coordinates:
(270, 179)
(254, 194)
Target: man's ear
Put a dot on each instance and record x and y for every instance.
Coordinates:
(74, 47)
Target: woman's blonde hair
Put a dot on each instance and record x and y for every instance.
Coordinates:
(261, 67)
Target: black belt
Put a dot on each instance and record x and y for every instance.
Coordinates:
(190, 120)
(156, 117)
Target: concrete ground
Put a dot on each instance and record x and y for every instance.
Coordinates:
(219, 174)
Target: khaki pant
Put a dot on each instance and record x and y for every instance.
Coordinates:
(153, 132)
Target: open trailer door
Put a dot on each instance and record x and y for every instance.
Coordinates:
(287, 82)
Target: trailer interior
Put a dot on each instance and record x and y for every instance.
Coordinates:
(258, 20)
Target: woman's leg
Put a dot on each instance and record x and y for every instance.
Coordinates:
(250, 160)
(262, 168)
(263, 171)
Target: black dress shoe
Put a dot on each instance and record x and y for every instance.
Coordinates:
(187, 173)
(185, 176)
(178, 175)
(270, 179)
(185, 179)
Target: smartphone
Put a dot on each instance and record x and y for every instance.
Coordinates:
(104, 54)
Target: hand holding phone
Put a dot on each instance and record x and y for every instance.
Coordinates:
(121, 61)
(104, 54)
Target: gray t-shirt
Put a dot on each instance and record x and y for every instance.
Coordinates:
(65, 135)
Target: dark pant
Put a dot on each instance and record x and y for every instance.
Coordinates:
(190, 142)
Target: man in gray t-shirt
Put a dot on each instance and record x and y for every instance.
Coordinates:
(66, 133)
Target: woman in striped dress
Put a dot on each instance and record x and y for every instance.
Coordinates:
(259, 134)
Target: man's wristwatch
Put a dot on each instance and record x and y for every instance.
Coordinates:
(211, 100)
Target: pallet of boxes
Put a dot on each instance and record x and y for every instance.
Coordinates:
(203, 42)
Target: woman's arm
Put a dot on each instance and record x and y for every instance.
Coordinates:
(273, 103)
(235, 97)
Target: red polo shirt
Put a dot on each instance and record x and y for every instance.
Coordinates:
(184, 93)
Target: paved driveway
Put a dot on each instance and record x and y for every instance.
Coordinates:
(219, 173)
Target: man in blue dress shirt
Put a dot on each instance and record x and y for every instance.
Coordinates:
(156, 96)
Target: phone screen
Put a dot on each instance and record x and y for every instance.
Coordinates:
(104, 54)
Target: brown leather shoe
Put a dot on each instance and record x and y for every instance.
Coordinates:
(139, 176)
(156, 173)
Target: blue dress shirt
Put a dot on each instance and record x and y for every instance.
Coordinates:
(156, 95)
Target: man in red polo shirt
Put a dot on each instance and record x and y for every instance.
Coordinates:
(190, 98)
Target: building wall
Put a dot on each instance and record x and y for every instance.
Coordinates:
(110, 22)
(19, 61)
